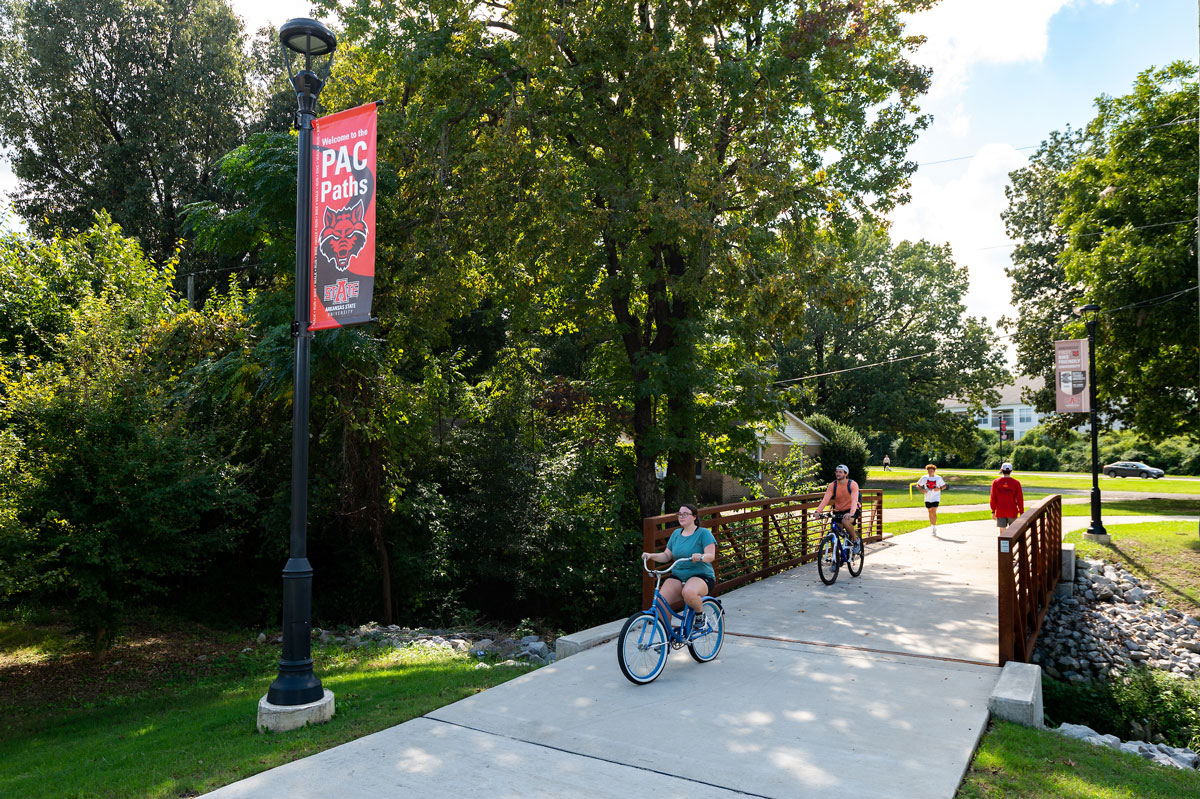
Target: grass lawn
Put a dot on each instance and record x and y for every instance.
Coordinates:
(1015, 762)
(1166, 553)
(182, 731)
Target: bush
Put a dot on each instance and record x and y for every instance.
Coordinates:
(845, 446)
(1034, 459)
(1140, 705)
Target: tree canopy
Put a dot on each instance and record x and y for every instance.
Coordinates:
(1107, 216)
(122, 105)
(880, 302)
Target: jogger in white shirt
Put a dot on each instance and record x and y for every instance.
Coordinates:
(931, 484)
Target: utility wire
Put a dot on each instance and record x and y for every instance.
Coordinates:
(1105, 232)
(855, 368)
(1035, 146)
(1140, 304)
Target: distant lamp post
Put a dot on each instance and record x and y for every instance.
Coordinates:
(296, 697)
(1088, 313)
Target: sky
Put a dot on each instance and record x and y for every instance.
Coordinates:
(1005, 74)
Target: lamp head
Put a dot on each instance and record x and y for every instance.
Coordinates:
(307, 37)
(1085, 309)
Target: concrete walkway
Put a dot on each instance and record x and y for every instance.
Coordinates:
(875, 686)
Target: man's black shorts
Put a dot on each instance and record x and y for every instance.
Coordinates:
(712, 585)
(931, 504)
(841, 515)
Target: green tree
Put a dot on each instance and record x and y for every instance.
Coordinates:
(115, 496)
(1107, 216)
(1130, 213)
(880, 302)
(633, 169)
(1041, 293)
(121, 105)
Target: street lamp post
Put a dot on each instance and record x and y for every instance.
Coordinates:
(1096, 527)
(296, 685)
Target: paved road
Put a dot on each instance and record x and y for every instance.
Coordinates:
(873, 687)
(921, 514)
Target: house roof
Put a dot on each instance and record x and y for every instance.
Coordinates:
(794, 431)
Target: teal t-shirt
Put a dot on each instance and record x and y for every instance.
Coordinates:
(684, 546)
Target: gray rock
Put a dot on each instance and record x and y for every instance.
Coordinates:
(262, 638)
(1080, 731)
(538, 649)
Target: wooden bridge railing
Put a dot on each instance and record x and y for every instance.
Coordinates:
(759, 538)
(1030, 563)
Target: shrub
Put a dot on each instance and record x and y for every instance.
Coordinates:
(1139, 705)
(845, 446)
(1034, 459)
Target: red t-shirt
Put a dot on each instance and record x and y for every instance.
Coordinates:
(1007, 500)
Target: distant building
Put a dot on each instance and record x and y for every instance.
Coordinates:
(1019, 416)
(715, 486)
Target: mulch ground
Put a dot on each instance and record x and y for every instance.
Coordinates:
(146, 656)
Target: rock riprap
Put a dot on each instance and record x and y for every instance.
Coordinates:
(1161, 754)
(1111, 624)
(530, 648)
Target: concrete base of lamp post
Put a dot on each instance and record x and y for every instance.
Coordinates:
(1098, 538)
(281, 718)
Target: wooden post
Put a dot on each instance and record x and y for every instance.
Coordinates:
(1007, 599)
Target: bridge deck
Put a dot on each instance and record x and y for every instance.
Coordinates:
(872, 687)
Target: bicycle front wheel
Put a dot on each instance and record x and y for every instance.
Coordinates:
(855, 563)
(828, 559)
(706, 646)
(642, 648)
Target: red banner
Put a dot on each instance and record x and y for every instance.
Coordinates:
(1071, 376)
(343, 220)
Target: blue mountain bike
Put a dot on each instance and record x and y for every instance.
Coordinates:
(650, 635)
(835, 549)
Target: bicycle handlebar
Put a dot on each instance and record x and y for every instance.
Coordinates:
(646, 566)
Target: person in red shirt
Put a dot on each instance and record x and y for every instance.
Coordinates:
(1007, 500)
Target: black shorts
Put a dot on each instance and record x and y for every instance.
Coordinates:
(931, 504)
(712, 584)
(840, 515)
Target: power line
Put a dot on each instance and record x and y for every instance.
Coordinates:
(1035, 146)
(854, 368)
(1152, 301)
(1105, 232)
(1140, 304)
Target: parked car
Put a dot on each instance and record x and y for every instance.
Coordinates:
(1131, 469)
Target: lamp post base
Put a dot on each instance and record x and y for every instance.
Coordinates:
(1097, 534)
(281, 718)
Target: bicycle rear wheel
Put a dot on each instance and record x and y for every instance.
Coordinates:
(706, 647)
(828, 559)
(642, 648)
(855, 563)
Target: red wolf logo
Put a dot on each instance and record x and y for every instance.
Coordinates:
(343, 235)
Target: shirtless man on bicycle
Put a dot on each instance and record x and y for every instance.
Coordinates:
(847, 507)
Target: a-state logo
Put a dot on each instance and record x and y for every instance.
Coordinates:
(341, 291)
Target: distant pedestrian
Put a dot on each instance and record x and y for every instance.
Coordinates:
(1008, 502)
(887, 463)
(931, 485)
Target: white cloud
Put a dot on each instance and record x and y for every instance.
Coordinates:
(963, 208)
(963, 33)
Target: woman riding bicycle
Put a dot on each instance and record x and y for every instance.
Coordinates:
(696, 578)
(847, 507)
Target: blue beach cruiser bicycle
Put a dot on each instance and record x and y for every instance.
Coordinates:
(835, 549)
(650, 635)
